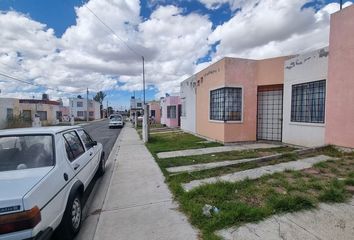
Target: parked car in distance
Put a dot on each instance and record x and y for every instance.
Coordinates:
(115, 120)
(43, 175)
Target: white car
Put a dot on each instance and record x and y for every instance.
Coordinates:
(115, 120)
(43, 175)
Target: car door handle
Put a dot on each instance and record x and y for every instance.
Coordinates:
(76, 166)
(91, 153)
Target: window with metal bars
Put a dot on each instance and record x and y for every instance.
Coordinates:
(226, 104)
(308, 102)
(171, 111)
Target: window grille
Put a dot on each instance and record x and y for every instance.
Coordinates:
(308, 102)
(226, 104)
(171, 112)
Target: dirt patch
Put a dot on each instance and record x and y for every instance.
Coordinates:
(280, 190)
(311, 171)
(350, 189)
(265, 154)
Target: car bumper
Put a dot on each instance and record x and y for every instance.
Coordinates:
(116, 124)
(27, 235)
(43, 235)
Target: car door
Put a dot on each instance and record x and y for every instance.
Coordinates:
(92, 148)
(78, 157)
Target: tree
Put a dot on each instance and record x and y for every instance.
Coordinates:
(99, 98)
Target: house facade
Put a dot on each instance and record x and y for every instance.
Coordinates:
(171, 111)
(21, 112)
(155, 111)
(9, 107)
(136, 107)
(305, 81)
(47, 110)
(188, 102)
(227, 106)
(78, 109)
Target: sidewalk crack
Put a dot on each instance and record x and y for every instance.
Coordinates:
(304, 229)
(137, 205)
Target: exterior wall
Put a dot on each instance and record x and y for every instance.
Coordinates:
(163, 111)
(235, 72)
(188, 101)
(243, 73)
(271, 71)
(154, 105)
(210, 78)
(136, 103)
(65, 113)
(50, 109)
(6, 103)
(301, 69)
(170, 101)
(94, 107)
(340, 95)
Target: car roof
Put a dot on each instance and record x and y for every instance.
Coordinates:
(37, 130)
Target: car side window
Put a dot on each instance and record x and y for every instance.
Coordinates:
(86, 138)
(73, 145)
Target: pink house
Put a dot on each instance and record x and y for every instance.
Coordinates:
(155, 111)
(340, 87)
(171, 111)
(240, 100)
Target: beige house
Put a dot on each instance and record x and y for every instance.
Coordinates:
(21, 112)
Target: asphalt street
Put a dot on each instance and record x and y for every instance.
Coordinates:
(100, 132)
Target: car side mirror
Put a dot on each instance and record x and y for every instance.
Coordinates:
(94, 143)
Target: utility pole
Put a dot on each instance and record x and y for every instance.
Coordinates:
(341, 4)
(145, 109)
(87, 105)
(107, 109)
(143, 77)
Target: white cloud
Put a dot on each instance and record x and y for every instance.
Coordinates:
(233, 4)
(272, 28)
(89, 55)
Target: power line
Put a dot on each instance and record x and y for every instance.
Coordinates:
(31, 83)
(112, 31)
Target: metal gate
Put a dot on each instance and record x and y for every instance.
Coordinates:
(270, 113)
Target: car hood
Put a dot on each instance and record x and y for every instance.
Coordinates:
(15, 184)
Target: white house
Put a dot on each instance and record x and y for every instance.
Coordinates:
(304, 98)
(188, 98)
(9, 107)
(136, 103)
(78, 108)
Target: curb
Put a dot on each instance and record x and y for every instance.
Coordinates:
(111, 158)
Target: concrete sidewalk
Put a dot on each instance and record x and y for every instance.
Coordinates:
(255, 173)
(329, 221)
(138, 204)
(200, 151)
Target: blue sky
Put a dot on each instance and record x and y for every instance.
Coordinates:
(144, 26)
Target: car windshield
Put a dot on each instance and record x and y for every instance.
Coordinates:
(26, 151)
(116, 118)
